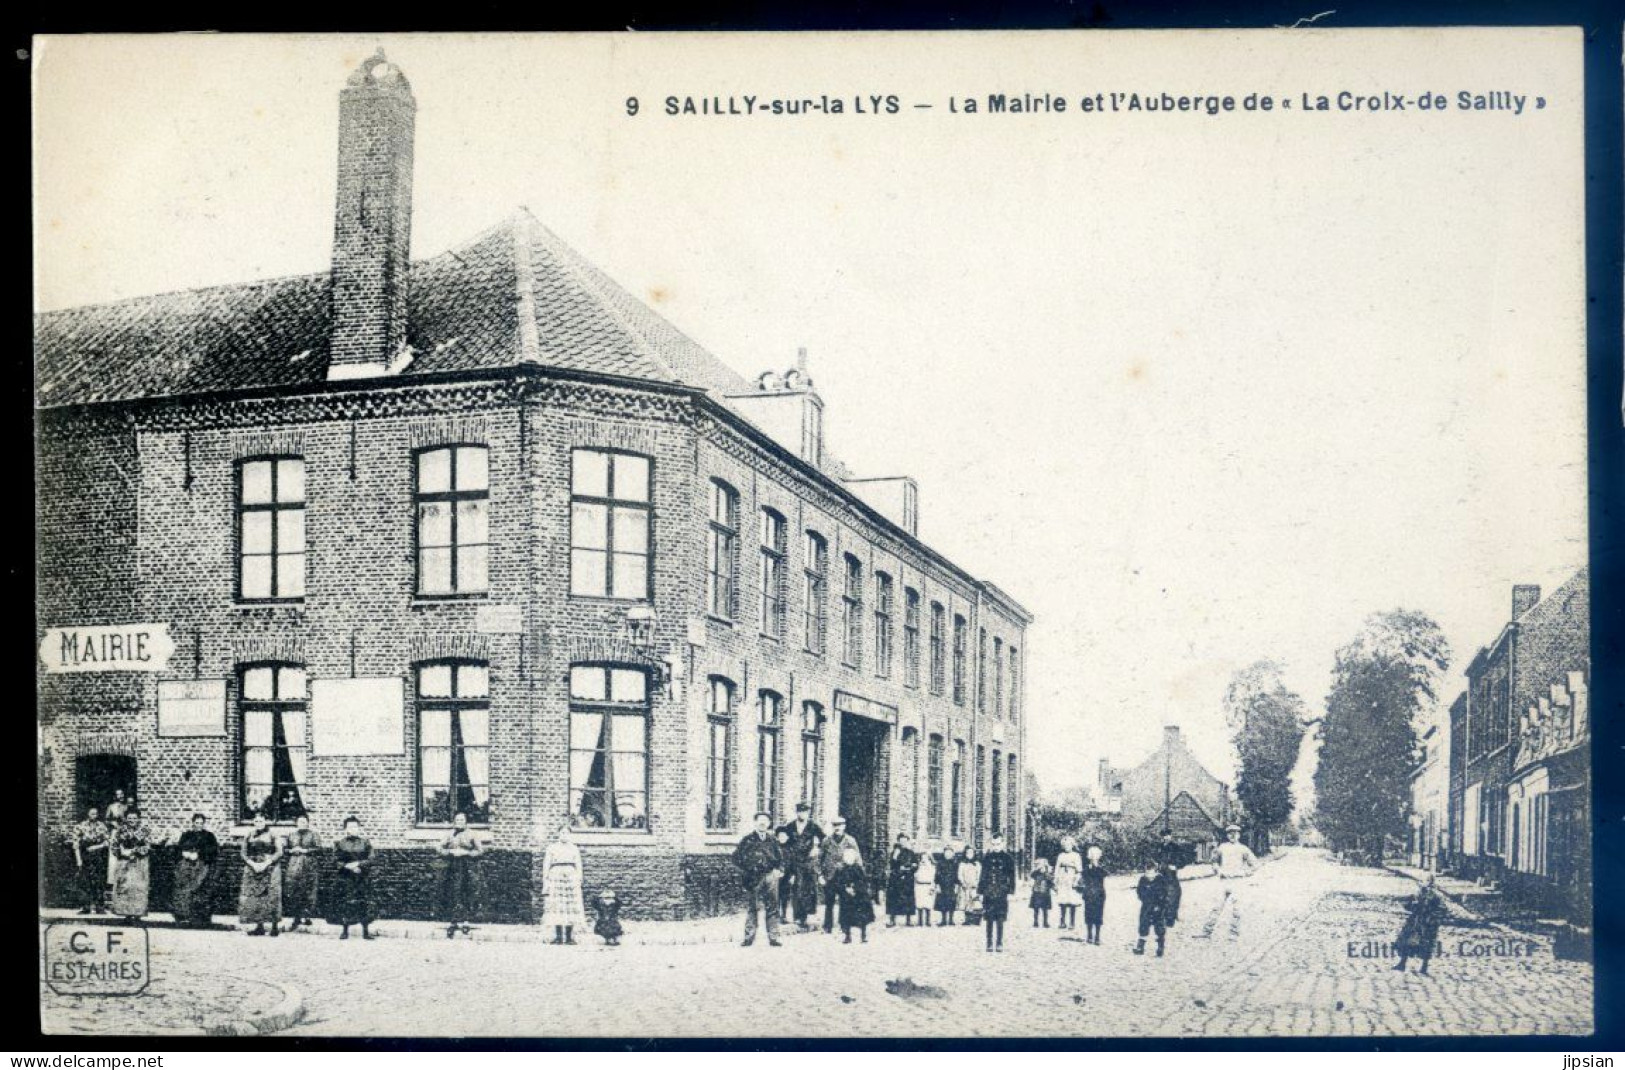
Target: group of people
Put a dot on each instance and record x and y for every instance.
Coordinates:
(282, 875)
(786, 871)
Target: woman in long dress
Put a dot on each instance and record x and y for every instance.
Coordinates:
(1068, 868)
(132, 866)
(300, 878)
(562, 907)
(900, 882)
(260, 898)
(947, 885)
(353, 855)
(198, 849)
(1092, 886)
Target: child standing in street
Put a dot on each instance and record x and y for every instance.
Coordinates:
(1152, 889)
(857, 900)
(1043, 886)
(925, 888)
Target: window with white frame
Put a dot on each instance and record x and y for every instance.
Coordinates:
(883, 624)
(453, 521)
(852, 604)
(610, 522)
(769, 740)
(812, 755)
(722, 557)
(774, 551)
(816, 589)
(275, 741)
(454, 741)
(911, 637)
(609, 746)
(271, 529)
(719, 763)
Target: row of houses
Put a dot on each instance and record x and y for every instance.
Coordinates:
(1502, 791)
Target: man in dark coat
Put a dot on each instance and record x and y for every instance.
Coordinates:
(829, 863)
(760, 859)
(798, 891)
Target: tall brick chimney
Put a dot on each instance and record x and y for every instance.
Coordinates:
(372, 227)
(1525, 596)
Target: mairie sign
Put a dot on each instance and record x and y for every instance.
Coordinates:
(107, 648)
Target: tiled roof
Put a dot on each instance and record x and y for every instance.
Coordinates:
(465, 310)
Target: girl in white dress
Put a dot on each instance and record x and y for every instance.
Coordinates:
(1068, 868)
(562, 907)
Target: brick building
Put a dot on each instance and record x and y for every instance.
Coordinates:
(483, 533)
(1172, 789)
(1520, 757)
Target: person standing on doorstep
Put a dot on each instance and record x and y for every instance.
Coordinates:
(260, 894)
(925, 887)
(353, 854)
(900, 881)
(114, 815)
(562, 905)
(90, 839)
(996, 882)
(1068, 868)
(1234, 864)
(830, 861)
(760, 861)
(947, 900)
(459, 852)
(798, 891)
(198, 848)
(1092, 889)
(300, 882)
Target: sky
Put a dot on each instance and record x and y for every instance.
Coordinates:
(1196, 390)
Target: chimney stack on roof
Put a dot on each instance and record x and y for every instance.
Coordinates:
(1170, 734)
(1525, 596)
(372, 229)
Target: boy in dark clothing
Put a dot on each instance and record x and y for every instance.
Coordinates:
(1155, 903)
(608, 925)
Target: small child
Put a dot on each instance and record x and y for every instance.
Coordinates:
(857, 901)
(1153, 892)
(1043, 885)
(925, 888)
(608, 925)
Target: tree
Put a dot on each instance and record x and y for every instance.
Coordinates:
(1267, 723)
(1381, 683)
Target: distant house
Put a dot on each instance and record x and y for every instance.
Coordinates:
(1172, 790)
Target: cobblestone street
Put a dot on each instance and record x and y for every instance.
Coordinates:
(1297, 966)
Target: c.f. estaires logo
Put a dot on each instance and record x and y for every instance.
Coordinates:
(94, 960)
